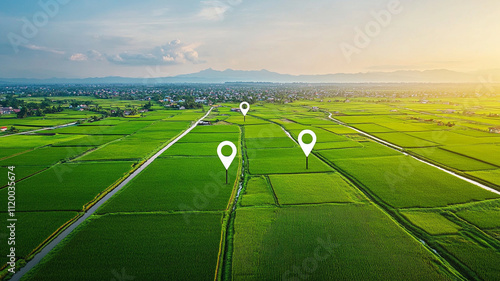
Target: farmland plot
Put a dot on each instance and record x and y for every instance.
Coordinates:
(484, 152)
(61, 187)
(432, 223)
(321, 135)
(363, 150)
(482, 218)
(452, 160)
(90, 140)
(264, 131)
(125, 149)
(144, 246)
(345, 242)
(264, 143)
(46, 156)
(22, 172)
(258, 193)
(177, 182)
(337, 145)
(404, 140)
(312, 188)
(27, 240)
(33, 141)
(492, 176)
(402, 181)
(283, 160)
(209, 137)
(168, 184)
(338, 129)
(481, 259)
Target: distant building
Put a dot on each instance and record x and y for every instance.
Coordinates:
(204, 123)
(3, 129)
(315, 108)
(182, 108)
(6, 110)
(495, 130)
(449, 111)
(235, 109)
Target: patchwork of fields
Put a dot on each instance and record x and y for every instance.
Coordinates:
(289, 216)
(361, 211)
(466, 148)
(61, 172)
(184, 191)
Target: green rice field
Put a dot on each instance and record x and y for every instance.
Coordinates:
(361, 210)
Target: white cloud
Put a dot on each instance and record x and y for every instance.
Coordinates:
(44, 49)
(78, 57)
(168, 58)
(95, 55)
(213, 10)
(174, 52)
(91, 55)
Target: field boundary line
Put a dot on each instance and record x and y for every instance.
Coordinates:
(270, 186)
(50, 246)
(281, 126)
(19, 153)
(393, 215)
(390, 213)
(231, 208)
(400, 149)
(38, 130)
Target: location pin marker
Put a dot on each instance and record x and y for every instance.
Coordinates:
(244, 110)
(226, 160)
(307, 147)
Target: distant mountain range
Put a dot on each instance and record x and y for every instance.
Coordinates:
(229, 75)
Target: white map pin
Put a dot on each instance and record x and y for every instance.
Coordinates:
(244, 110)
(307, 148)
(226, 160)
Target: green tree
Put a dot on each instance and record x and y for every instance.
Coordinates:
(23, 113)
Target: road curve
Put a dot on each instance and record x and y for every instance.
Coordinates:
(38, 257)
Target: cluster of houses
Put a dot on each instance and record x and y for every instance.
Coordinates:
(8, 110)
(175, 106)
(171, 103)
(129, 112)
(80, 107)
(495, 130)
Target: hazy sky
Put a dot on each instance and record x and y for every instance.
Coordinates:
(150, 38)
